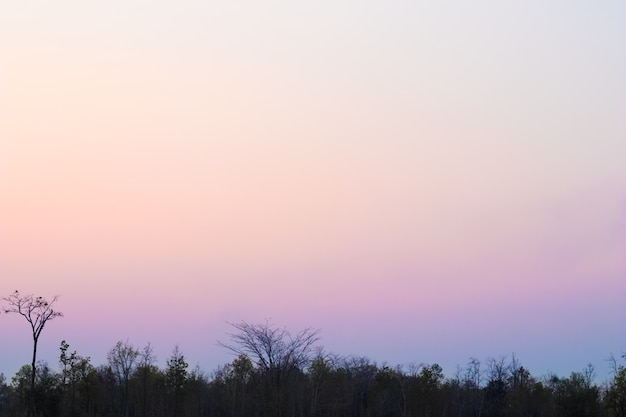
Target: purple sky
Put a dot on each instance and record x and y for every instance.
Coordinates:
(423, 183)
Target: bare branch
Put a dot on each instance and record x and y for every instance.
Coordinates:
(272, 348)
(37, 311)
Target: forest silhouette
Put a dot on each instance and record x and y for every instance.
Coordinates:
(276, 373)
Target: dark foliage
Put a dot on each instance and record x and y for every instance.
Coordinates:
(298, 381)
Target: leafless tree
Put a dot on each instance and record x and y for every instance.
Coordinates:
(37, 311)
(147, 359)
(497, 370)
(589, 374)
(280, 358)
(272, 348)
(122, 360)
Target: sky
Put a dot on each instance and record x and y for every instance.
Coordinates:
(424, 182)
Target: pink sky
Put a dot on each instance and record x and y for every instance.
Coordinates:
(422, 183)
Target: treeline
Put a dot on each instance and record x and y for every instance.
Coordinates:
(278, 374)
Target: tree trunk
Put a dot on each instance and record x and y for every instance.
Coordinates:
(31, 405)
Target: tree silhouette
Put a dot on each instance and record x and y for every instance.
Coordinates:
(280, 358)
(273, 349)
(37, 311)
(122, 360)
(176, 377)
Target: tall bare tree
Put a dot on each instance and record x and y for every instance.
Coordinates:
(37, 311)
(122, 360)
(146, 368)
(272, 348)
(280, 357)
(615, 397)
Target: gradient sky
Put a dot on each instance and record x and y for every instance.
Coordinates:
(422, 181)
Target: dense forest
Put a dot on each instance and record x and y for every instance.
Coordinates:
(275, 373)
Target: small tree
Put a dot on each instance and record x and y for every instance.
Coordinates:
(37, 311)
(176, 377)
(615, 396)
(75, 374)
(3, 389)
(122, 360)
(146, 370)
